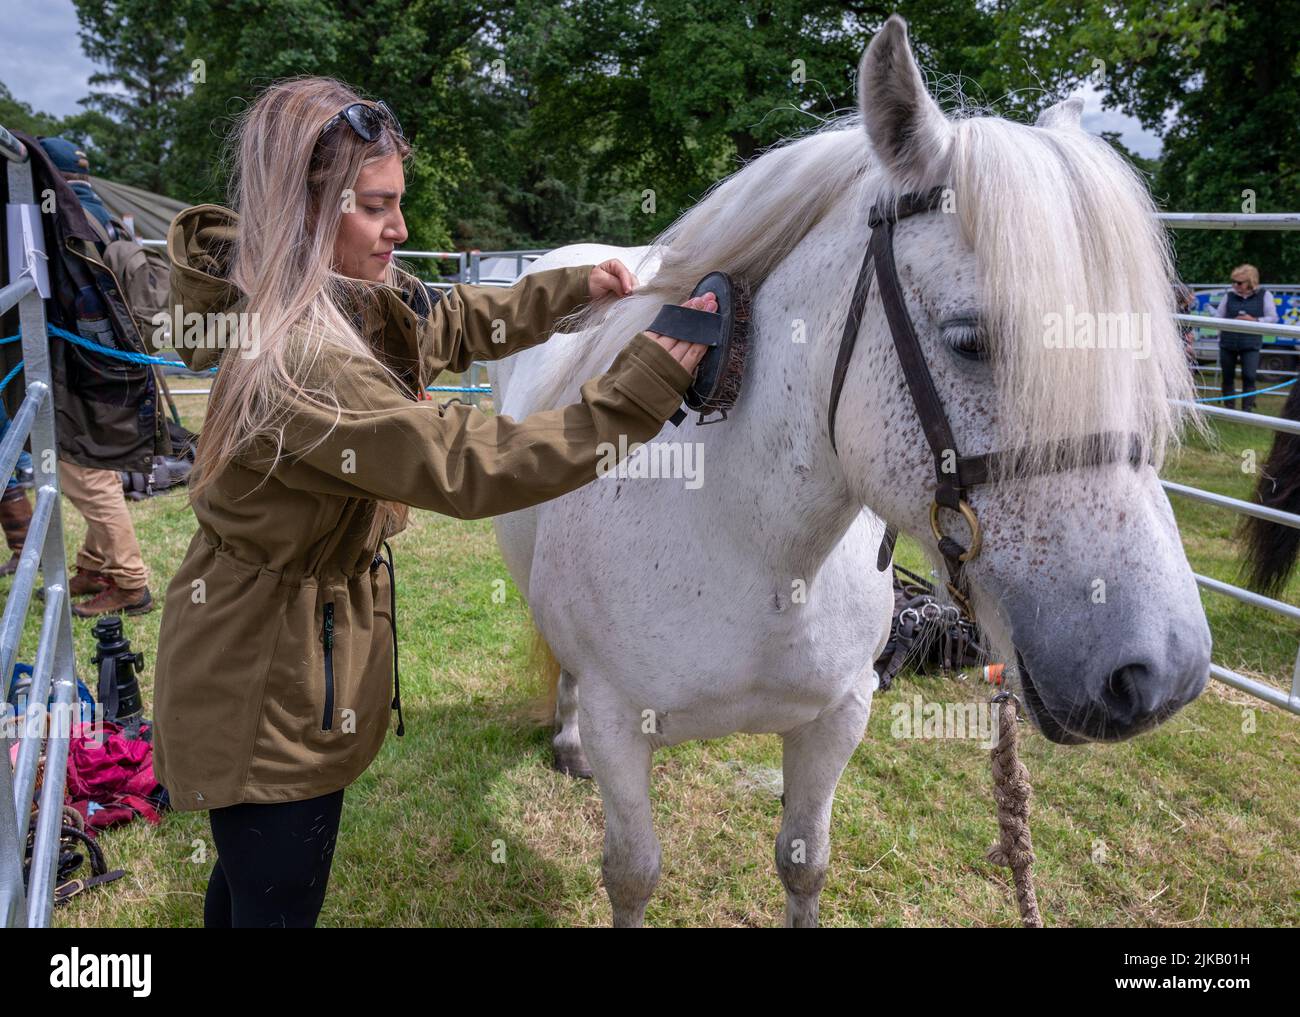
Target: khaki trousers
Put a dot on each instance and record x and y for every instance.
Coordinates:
(110, 546)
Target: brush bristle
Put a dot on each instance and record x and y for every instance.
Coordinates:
(727, 390)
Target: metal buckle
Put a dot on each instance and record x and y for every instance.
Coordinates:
(1006, 696)
(972, 521)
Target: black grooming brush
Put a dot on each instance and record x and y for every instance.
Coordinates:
(717, 379)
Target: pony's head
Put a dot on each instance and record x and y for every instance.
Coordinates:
(1040, 295)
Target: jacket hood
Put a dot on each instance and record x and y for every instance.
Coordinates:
(199, 246)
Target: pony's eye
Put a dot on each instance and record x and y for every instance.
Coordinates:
(966, 337)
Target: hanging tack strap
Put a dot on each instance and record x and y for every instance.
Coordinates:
(1013, 792)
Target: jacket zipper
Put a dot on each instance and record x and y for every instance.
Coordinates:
(327, 637)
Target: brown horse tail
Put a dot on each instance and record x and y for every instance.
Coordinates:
(1271, 548)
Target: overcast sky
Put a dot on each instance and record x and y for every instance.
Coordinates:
(44, 67)
(43, 64)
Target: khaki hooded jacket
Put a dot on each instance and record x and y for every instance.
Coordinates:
(274, 675)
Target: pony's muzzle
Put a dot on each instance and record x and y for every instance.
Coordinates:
(1099, 701)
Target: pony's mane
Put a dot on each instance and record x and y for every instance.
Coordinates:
(745, 225)
(1059, 222)
(1066, 238)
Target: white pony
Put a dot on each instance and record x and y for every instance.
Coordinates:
(752, 601)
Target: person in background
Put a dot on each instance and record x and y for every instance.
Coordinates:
(110, 568)
(1244, 301)
(15, 509)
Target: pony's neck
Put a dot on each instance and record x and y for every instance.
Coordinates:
(776, 454)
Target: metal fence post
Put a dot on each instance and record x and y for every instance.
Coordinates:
(54, 670)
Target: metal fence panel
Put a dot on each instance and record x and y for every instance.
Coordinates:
(1243, 221)
(55, 665)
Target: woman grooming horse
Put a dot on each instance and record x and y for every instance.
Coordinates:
(275, 672)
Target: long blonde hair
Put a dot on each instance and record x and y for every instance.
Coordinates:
(289, 191)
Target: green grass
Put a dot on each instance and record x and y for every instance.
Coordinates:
(1193, 824)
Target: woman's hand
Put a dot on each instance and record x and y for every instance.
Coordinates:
(613, 278)
(687, 354)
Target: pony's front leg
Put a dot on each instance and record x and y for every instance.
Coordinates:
(813, 758)
(620, 761)
(566, 746)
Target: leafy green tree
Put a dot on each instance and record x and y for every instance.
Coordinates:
(1217, 81)
(17, 115)
(139, 43)
(414, 56)
(79, 128)
(668, 96)
(542, 122)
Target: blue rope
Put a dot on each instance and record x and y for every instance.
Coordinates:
(10, 376)
(1240, 395)
(144, 358)
(90, 344)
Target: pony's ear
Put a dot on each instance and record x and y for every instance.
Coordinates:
(907, 129)
(1068, 113)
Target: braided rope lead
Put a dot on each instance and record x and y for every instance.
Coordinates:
(1012, 791)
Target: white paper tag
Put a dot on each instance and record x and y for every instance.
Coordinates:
(27, 242)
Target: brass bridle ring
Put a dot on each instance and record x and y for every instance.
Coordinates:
(972, 521)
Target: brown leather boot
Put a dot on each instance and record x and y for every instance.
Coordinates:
(115, 600)
(15, 516)
(86, 582)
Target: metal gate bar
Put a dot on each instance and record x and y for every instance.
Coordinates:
(1243, 221)
(43, 549)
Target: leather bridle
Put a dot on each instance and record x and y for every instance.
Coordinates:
(955, 474)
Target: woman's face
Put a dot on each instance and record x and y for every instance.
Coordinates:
(372, 223)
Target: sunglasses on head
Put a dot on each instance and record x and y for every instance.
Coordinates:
(367, 120)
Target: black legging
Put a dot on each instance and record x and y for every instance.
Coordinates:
(273, 863)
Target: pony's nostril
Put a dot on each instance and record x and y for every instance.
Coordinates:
(1127, 698)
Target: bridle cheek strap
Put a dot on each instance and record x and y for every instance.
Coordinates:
(920, 383)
